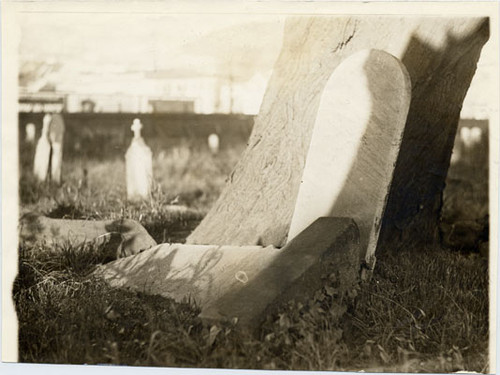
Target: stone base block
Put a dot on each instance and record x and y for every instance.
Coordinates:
(241, 281)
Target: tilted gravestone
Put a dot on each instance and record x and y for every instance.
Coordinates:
(364, 105)
(56, 137)
(258, 204)
(354, 144)
(139, 165)
(440, 55)
(42, 152)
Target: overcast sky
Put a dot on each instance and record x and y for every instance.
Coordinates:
(140, 42)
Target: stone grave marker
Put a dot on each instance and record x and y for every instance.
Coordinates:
(476, 134)
(30, 133)
(357, 132)
(243, 281)
(56, 136)
(139, 165)
(440, 54)
(42, 152)
(213, 143)
(355, 144)
(258, 203)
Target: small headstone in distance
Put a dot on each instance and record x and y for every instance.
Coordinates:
(470, 136)
(42, 151)
(56, 136)
(30, 133)
(355, 144)
(139, 165)
(465, 137)
(476, 134)
(213, 143)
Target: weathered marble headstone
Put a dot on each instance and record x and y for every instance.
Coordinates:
(42, 152)
(354, 145)
(139, 165)
(56, 136)
(440, 54)
(258, 203)
(30, 133)
(243, 281)
(213, 143)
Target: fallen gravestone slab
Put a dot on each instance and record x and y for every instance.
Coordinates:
(354, 145)
(243, 281)
(119, 238)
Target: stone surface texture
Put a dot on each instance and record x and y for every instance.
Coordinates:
(440, 54)
(241, 281)
(354, 145)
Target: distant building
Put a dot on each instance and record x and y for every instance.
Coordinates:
(144, 92)
(173, 106)
(41, 102)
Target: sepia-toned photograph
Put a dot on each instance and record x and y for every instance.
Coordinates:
(263, 187)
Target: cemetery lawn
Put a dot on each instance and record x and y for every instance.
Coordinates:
(424, 310)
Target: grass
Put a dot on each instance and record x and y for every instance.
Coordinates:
(425, 314)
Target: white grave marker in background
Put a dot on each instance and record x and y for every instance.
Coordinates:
(466, 138)
(476, 134)
(213, 143)
(30, 133)
(56, 136)
(355, 144)
(471, 136)
(42, 152)
(139, 165)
